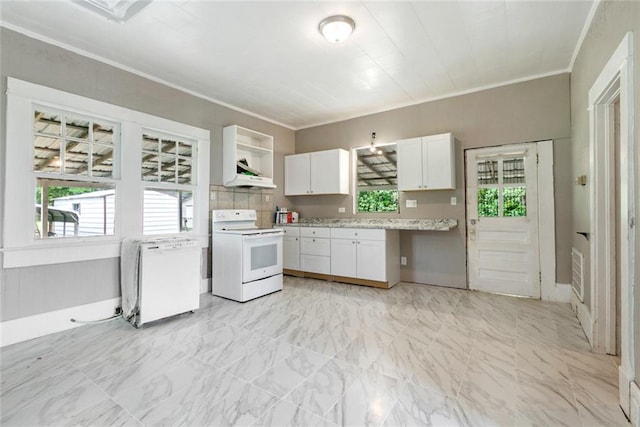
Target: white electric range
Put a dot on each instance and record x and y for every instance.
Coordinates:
(247, 260)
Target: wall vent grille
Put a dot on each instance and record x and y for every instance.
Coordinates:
(577, 277)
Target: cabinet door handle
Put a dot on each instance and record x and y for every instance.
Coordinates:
(353, 242)
(313, 240)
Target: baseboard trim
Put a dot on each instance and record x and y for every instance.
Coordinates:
(584, 317)
(563, 292)
(624, 392)
(205, 286)
(634, 404)
(26, 328)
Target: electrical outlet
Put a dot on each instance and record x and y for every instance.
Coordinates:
(403, 260)
(341, 210)
(454, 201)
(412, 203)
(212, 196)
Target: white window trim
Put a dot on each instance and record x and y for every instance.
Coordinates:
(20, 248)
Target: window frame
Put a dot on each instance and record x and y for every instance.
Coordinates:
(173, 186)
(355, 182)
(20, 248)
(71, 179)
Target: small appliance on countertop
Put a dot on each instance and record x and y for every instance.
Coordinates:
(284, 216)
(247, 260)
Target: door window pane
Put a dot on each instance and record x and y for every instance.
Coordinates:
(513, 171)
(487, 172)
(514, 201)
(488, 202)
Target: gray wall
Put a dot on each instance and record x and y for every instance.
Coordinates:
(37, 62)
(611, 22)
(530, 111)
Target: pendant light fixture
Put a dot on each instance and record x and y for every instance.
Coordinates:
(337, 28)
(372, 147)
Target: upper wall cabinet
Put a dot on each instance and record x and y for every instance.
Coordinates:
(427, 163)
(247, 158)
(320, 172)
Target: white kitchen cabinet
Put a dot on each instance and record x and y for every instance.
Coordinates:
(371, 261)
(291, 248)
(366, 254)
(426, 163)
(343, 257)
(297, 176)
(254, 148)
(315, 250)
(319, 172)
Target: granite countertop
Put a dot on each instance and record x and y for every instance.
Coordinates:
(444, 224)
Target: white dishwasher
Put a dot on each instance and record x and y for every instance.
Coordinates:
(160, 278)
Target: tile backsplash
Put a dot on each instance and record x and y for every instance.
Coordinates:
(221, 197)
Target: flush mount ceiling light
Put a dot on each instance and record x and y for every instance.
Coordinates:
(337, 28)
(114, 10)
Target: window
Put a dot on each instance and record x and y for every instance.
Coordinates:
(501, 188)
(167, 172)
(377, 179)
(73, 161)
(76, 182)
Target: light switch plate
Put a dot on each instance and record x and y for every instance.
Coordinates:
(412, 203)
(454, 201)
(341, 210)
(403, 260)
(267, 197)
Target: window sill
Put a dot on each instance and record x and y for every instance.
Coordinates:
(58, 252)
(54, 251)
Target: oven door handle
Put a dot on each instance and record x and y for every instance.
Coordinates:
(264, 235)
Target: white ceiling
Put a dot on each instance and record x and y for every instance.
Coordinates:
(268, 58)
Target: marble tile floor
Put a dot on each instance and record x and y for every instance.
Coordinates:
(321, 353)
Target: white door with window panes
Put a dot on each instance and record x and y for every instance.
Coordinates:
(502, 220)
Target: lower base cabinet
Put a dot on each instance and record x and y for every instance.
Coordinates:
(361, 256)
(366, 254)
(291, 248)
(315, 250)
